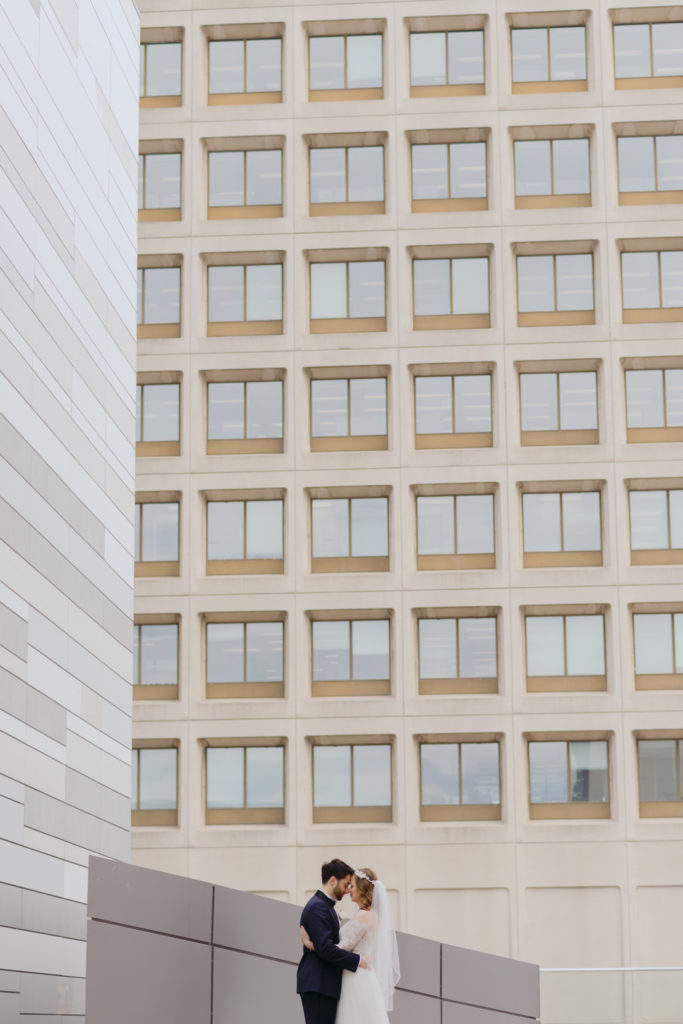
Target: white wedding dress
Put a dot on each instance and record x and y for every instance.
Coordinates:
(361, 1000)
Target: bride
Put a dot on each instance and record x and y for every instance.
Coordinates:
(367, 995)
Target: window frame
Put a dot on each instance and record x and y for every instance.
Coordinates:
(350, 562)
(160, 448)
(451, 321)
(551, 135)
(360, 814)
(565, 683)
(448, 138)
(258, 690)
(571, 810)
(465, 561)
(244, 815)
(661, 808)
(348, 442)
(457, 684)
(460, 811)
(347, 29)
(446, 25)
(151, 37)
(149, 567)
(244, 445)
(534, 438)
(170, 328)
(363, 687)
(157, 147)
(347, 141)
(562, 558)
(648, 130)
(652, 435)
(245, 146)
(347, 324)
(245, 327)
(555, 316)
(643, 16)
(453, 439)
(244, 566)
(548, 21)
(654, 556)
(649, 314)
(244, 34)
(656, 680)
(156, 691)
(155, 818)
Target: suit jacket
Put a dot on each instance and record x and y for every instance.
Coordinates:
(321, 970)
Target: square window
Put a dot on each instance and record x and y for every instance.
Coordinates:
(654, 405)
(156, 538)
(345, 67)
(650, 169)
(449, 176)
(245, 183)
(565, 652)
(245, 299)
(158, 419)
(346, 180)
(451, 293)
(350, 534)
(244, 416)
(154, 785)
(659, 777)
(453, 411)
(459, 781)
(348, 296)
(559, 408)
(457, 654)
(245, 659)
(447, 63)
(155, 661)
(158, 302)
(348, 413)
(562, 528)
(455, 531)
(245, 71)
(161, 74)
(658, 650)
(656, 526)
(649, 55)
(351, 657)
(568, 779)
(245, 785)
(245, 536)
(352, 782)
(652, 286)
(159, 186)
(549, 59)
(555, 289)
(552, 172)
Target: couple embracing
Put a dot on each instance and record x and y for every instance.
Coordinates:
(347, 975)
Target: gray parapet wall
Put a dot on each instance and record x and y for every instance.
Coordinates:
(164, 949)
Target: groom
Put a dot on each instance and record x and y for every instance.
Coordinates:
(319, 975)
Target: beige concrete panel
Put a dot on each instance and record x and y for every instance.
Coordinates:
(477, 917)
(593, 926)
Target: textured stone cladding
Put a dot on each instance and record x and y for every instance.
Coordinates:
(68, 177)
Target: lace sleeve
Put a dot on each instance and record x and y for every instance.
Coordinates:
(353, 931)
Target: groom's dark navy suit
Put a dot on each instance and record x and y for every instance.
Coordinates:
(319, 976)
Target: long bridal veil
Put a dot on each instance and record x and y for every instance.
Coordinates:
(385, 954)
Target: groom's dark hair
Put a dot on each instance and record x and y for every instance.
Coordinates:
(335, 869)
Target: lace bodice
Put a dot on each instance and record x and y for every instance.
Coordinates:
(359, 933)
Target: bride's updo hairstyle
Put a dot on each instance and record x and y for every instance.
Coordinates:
(365, 878)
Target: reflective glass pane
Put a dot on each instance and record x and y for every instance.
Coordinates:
(437, 648)
(673, 387)
(468, 170)
(431, 287)
(138, 412)
(226, 294)
(158, 776)
(264, 408)
(264, 292)
(369, 527)
(644, 398)
(581, 521)
(636, 164)
(331, 776)
(657, 770)
(364, 62)
(574, 281)
(667, 48)
(162, 295)
(226, 65)
(676, 518)
(226, 179)
(328, 291)
(480, 773)
(430, 171)
(366, 289)
(466, 58)
(649, 521)
(138, 531)
(669, 162)
(264, 65)
(568, 53)
(538, 394)
(632, 51)
(541, 522)
(427, 58)
(226, 410)
(545, 645)
(470, 285)
(225, 652)
(331, 650)
(672, 279)
(548, 782)
(439, 774)
(225, 529)
(433, 405)
(330, 527)
(654, 643)
(224, 777)
(535, 284)
(678, 642)
(366, 174)
(474, 524)
(588, 776)
(264, 177)
(162, 181)
(134, 780)
(328, 175)
(571, 167)
(436, 525)
(264, 529)
(265, 777)
(477, 648)
(372, 775)
(160, 531)
(529, 55)
(640, 280)
(264, 652)
(578, 401)
(472, 403)
(326, 62)
(140, 310)
(368, 406)
(164, 62)
(532, 168)
(585, 645)
(370, 649)
(158, 651)
(329, 408)
(160, 412)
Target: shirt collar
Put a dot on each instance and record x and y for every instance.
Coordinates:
(328, 899)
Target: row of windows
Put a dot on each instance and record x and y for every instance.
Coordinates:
(544, 58)
(459, 779)
(455, 529)
(351, 653)
(449, 292)
(349, 410)
(445, 175)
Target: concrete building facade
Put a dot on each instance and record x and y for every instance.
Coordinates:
(408, 477)
(68, 124)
